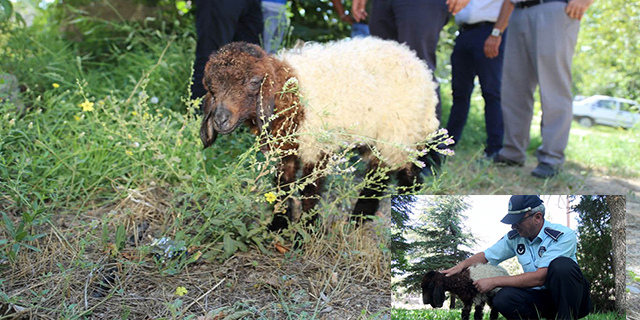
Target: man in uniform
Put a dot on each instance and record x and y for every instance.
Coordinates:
(552, 285)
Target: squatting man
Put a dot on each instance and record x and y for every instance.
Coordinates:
(552, 285)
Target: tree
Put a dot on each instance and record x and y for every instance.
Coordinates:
(438, 239)
(401, 207)
(607, 57)
(617, 205)
(594, 249)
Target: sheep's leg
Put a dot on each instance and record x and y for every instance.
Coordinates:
(466, 311)
(369, 198)
(479, 310)
(408, 178)
(494, 313)
(286, 175)
(311, 191)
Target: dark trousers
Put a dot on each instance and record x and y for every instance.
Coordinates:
(415, 22)
(218, 23)
(566, 297)
(467, 61)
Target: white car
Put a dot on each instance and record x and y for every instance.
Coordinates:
(607, 111)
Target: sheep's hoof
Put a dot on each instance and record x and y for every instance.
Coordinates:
(279, 222)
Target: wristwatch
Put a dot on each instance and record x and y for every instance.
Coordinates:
(496, 32)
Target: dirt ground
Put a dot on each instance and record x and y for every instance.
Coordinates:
(338, 275)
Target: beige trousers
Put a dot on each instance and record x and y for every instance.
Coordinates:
(539, 51)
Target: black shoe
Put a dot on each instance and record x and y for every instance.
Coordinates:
(432, 161)
(498, 159)
(490, 155)
(544, 170)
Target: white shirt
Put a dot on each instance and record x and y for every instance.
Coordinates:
(479, 11)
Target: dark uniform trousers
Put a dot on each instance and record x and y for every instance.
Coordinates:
(415, 22)
(221, 22)
(566, 297)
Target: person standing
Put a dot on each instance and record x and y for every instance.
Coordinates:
(468, 60)
(358, 29)
(218, 23)
(416, 23)
(539, 52)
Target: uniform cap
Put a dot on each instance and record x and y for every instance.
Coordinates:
(519, 206)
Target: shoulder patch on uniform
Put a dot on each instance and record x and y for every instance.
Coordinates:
(512, 234)
(553, 233)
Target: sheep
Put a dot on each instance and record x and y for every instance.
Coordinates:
(434, 284)
(363, 91)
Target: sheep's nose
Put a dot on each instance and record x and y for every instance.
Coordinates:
(221, 118)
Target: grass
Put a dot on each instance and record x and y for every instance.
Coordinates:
(109, 204)
(441, 314)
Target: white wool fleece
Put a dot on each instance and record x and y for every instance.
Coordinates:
(487, 270)
(363, 90)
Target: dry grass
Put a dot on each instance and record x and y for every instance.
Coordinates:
(341, 273)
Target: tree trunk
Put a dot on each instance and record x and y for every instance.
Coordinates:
(617, 206)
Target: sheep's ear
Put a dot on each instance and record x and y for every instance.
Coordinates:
(208, 133)
(438, 296)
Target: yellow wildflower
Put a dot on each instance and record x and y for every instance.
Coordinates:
(181, 291)
(270, 197)
(133, 113)
(129, 152)
(87, 106)
(55, 85)
(146, 116)
(77, 117)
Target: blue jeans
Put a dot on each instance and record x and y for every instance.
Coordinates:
(275, 25)
(359, 30)
(467, 61)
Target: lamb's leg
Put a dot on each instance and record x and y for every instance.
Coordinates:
(408, 178)
(479, 310)
(494, 313)
(369, 198)
(311, 191)
(286, 175)
(466, 311)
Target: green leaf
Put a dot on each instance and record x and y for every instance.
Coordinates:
(120, 237)
(7, 8)
(9, 225)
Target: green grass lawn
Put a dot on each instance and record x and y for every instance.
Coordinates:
(441, 314)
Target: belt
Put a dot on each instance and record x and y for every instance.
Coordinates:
(531, 3)
(466, 27)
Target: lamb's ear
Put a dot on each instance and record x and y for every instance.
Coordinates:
(208, 133)
(438, 296)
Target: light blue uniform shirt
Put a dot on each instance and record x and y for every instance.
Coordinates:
(553, 241)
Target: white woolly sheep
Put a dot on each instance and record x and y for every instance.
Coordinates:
(364, 91)
(434, 284)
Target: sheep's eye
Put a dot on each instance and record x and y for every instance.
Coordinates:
(255, 83)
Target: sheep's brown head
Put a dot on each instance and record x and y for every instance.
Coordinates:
(433, 289)
(233, 78)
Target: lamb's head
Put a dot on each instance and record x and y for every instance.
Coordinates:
(233, 77)
(433, 289)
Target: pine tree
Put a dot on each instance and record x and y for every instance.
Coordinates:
(437, 238)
